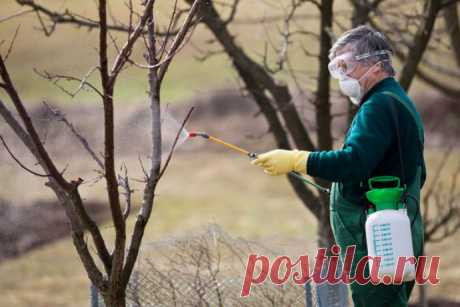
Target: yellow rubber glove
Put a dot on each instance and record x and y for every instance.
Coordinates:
(279, 162)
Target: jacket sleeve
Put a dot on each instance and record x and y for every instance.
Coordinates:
(369, 138)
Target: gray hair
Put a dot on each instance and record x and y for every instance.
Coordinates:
(368, 46)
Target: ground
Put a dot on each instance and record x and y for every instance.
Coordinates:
(204, 185)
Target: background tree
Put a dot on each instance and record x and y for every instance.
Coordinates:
(410, 33)
(275, 97)
(440, 209)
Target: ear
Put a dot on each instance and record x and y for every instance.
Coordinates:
(378, 67)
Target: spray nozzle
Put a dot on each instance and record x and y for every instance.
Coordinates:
(195, 134)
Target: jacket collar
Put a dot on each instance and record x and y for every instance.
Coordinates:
(378, 87)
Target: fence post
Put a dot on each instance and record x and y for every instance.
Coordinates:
(135, 280)
(94, 296)
(308, 294)
(332, 295)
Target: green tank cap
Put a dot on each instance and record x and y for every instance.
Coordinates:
(387, 197)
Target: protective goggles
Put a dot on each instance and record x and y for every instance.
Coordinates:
(342, 65)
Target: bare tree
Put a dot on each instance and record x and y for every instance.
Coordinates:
(417, 40)
(440, 209)
(452, 24)
(112, 278)
(275, 98)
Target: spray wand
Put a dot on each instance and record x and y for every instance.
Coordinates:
(253, 155)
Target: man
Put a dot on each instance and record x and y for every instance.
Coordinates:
(385, 138)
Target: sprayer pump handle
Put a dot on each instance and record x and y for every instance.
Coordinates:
(383, 179)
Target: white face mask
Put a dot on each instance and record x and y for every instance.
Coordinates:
(352, 88)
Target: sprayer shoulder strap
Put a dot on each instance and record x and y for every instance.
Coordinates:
(398, 134)
(416, 119)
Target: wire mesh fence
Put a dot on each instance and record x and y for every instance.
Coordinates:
(208, 270)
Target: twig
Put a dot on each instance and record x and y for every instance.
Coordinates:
(159, 64)
(168, 159)
(20, 13)
(125, 52)
(146, 175)
(171, 22)
(123, 181)
(180, 37)
(131, 12)
(46, 31)
(23, 114)
(234, 8)
(61, 116)
(55, 78)
(448, 3)
(10, 48)
(68, 17)
(19, 162)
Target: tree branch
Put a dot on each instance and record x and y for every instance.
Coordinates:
(55, 78)
(124, 183)
(10, 48)
(420, 43)
(11, 90)
(126, 50)
(66, 201)
(420, 72)
(155, 171)
(445, 219)
(261, 84)
(323, 105)
(69, 17)
(178, 40)
(20, 13)
(61, 117)
(451, 19)
(109, 158)
(19, 162)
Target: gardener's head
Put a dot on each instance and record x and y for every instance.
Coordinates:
(359, 59)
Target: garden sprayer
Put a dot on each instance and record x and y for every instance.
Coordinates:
(252, 155)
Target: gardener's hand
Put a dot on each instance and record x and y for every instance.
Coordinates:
(280, 162)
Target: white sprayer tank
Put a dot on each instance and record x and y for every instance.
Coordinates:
(388, 235)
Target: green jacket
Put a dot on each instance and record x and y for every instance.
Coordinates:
(370, 146)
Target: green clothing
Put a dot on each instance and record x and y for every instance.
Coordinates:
(370, 146)
(370, 149)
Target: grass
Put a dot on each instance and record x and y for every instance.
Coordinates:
(234, 195)
(198, 189)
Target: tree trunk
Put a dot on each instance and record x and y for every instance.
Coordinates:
(116, 299)
(423, 297)
(361, 13)
(420, 43)
(453, 28)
